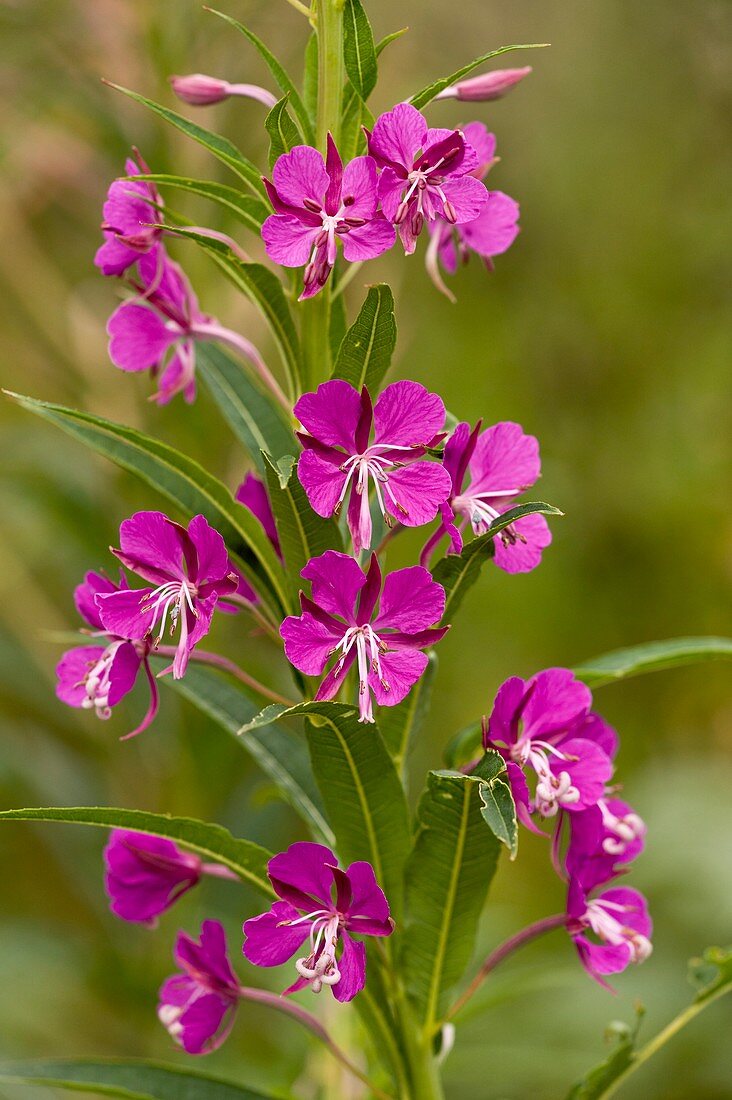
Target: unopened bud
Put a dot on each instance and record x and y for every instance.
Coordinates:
(480, 89)
(200, 90)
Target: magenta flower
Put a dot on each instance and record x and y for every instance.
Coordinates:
(158, 331)
(541, 723)
(325, 905)
(146, 875)
(338, 620)
(619, 919)
(491, 233)
(190, 570)
(502, 462)
(198, 1006)
(318, 202)
(603, 838)
(425, 173)
(130, 207)
(200, 90)
(339, 462)
(486, 87)
(96, 677)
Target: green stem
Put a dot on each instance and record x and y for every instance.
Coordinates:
(424, 1074)
(660, 1040)
(315, 337)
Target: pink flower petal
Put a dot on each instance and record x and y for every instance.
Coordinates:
(555, 700)
(300, 174)
(331, 414)
(368, 911)
(152, 546)
(213, 558)
(391, 189)
(121, 612)
(505, 458)
(308, 642)
(400, 669)
(411, 600)
(322, 481)
(520, 556)
(302, 875)
(72, 670)
(496, 227)
(138, 337)
(399, 134)
(418, 489)
(407, 414)
(287, 240)
(467, 195)
(484, 143)
(336, 582)
(360, 184)
(269, 942)
(370, 240)
(352, 967)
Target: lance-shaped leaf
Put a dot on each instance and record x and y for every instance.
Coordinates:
(359, 53)
(283, 133)
(250, 210)
(498, 809)
(712, 977)
(360, 787)
(264, 289)
(302, 532)
(457, 573)
(223, 149)
(365, 353)
(401, 725)
(652, 657)
(426, 95)
(212, 842)
(129, 1079)
(278, 72)
(255, 418)
(280, 753)
(355, 114)
(447, 878)
(183, 482)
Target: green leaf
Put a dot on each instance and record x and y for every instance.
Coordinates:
(401, 725)
(310, 77)
(355, 113)
(223, 149)
(365, 353)
(177, 477)
(254, 417)
(303, 533)
(283, 133)
(426, 95)
(712, 977)
(338, 324)
(285, 83)
(250, 210)
(360, 787)
(447, 878)
(359, 53)
(652, 657)
(212, 842)
(498, 809)
(127, 1078)
(457, 573)
(264, 289)
(280, 754)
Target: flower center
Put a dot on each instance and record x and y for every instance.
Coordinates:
(481, 514)
(97, 682)
(173, 597)
(625, 830)
(369, 650)
(610, 929)
(552, 789)
(319, 967)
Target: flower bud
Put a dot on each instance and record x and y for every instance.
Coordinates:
(480, 89)
(200, 90)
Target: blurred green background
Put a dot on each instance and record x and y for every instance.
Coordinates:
(604, 331)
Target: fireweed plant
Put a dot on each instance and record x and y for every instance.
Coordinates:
(375, 910)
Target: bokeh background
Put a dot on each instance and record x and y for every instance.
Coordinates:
(604, 331)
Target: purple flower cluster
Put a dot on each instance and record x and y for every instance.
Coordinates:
(413, 175)
(319, 903)
(545, 726)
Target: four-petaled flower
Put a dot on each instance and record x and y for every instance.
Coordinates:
(545, 723)
(337, 622)
(426, 173)
(190, 570)
(502, 462)
(198, 1006)
(129, 208)
(618, 918)
(317, 202)
(326, 906)
(341, 462)
(490, 234)
(158, 330)
(96, 677)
